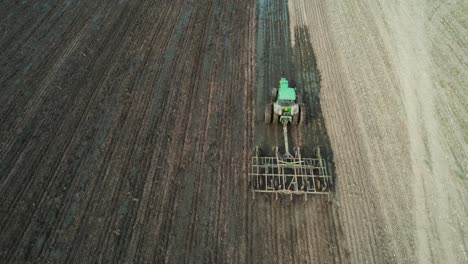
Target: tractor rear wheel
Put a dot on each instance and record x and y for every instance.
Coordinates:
(268, 112)
(302, 114)
(298, 98)
(295, 119)
(275, 118)
(274, 94)
(292, 84)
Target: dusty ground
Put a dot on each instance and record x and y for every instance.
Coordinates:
(126, 130)
(394, 79)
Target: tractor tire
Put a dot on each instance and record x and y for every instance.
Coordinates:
(274, 94)
(295, 119)
(302, 114)
(268, 112)
(275, 118)
(298, 98)
(292, 83)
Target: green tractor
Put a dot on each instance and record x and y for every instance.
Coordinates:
(287, 173)
(285, 106)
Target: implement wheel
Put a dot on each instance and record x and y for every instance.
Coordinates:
(302, 114)
(274, 94)
(268, 112)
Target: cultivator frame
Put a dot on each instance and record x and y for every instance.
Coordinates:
(288, 174)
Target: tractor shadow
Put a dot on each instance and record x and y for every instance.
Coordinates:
(313, 133)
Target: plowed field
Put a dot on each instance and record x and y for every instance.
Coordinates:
(124, 130)
(127, 128)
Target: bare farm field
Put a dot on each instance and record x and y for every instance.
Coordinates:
(127, 130)
(394, 82)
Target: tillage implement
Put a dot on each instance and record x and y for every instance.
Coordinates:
(287, 173)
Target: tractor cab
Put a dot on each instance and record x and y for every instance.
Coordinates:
(286, 94)
(285, 103)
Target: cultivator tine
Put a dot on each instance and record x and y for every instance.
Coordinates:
(289, 174)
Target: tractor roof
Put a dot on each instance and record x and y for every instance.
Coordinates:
(285, 92)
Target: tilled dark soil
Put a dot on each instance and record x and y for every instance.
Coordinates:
(126, 129)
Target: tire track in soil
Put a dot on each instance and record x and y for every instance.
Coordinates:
(68, 145)
(180, 130)
(48, 121)
(51, 31)
(70, 141)
(198, 174)
(37, 99)
(125, 52)
(161, 137)
(166, 70)
(218, 70)
(35, 164)
(202, 132)
(33, 14)
(18, 141)
(165, 76)
(123, 197)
